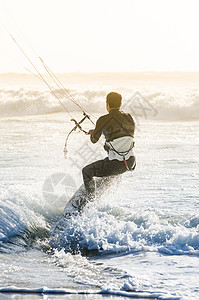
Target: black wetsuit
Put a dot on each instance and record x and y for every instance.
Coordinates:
(113, 125)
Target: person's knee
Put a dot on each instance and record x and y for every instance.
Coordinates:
(86, 171)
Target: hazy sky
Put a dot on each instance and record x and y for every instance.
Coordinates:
(101, 35)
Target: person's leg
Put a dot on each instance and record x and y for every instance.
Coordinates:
(99, 168)
(104, 168)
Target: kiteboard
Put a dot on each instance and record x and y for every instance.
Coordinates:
(78, 201)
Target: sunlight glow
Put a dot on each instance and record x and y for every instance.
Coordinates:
(97, 36)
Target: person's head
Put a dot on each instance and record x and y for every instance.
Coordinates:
(113, 101)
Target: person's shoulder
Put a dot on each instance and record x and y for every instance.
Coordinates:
(102, 118)
(127, 115)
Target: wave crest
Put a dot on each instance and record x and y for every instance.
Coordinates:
(148, 103)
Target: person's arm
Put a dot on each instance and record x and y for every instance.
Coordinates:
(97, 132)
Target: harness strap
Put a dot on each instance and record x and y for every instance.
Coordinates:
(124, 153)
(125, 163)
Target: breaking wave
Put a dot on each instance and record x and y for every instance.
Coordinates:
(102, 228)
(111, 230)
(147, 103)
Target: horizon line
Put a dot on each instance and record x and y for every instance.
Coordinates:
(99, 72)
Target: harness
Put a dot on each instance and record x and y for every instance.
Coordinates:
(109, 146)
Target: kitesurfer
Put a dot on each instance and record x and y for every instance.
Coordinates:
(118, 128)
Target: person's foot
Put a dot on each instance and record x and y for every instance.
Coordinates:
(76, 203)
(79, 203)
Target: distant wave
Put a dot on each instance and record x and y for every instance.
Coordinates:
(147, 103)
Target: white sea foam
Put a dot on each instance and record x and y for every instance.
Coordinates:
(103, 228)
(145, 103)
(56, 292)
(102, 231)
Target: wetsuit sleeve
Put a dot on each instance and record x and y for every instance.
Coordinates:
(97, 132)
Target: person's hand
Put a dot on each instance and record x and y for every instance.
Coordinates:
(90, 131)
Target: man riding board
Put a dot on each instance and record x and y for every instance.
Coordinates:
(118, 128)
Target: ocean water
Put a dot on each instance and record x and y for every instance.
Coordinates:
(139, 239)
